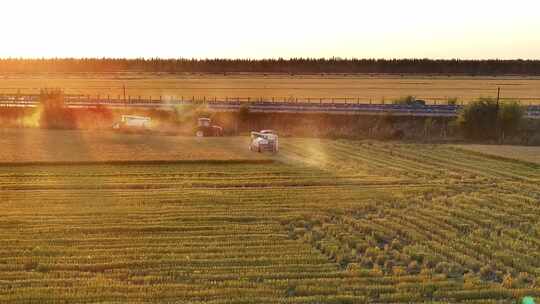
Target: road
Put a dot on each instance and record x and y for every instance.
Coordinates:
(352, 108)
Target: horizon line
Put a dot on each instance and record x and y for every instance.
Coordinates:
(270, 58)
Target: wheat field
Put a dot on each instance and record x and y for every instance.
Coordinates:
(364, 87)
(523, 153)
(328, 221)
(46, 146)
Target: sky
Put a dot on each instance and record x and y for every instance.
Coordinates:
(471, 29)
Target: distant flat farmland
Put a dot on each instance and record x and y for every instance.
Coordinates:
(364, 87)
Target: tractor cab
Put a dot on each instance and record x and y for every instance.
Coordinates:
(206, 129)
(204, 122)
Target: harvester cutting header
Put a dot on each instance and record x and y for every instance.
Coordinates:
(265, 140)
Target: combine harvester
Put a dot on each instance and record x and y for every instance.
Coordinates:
(132, 123)
(265, 140)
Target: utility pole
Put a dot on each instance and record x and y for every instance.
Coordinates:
(124, 87)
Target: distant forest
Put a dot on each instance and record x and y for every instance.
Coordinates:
(289, 66)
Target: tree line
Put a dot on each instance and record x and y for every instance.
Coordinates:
(280, 65)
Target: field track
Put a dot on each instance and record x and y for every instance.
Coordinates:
(329, 221)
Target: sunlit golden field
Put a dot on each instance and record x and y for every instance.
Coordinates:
(37, 145)
(329, 221)
(524, 153)
(365, 87)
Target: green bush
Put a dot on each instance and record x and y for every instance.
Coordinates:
(452, 101)
(488, 119)
(478, 119)
(510, 118)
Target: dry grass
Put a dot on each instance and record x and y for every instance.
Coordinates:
(35, 145)
(365, 87)
(339, 221)
(528, 154)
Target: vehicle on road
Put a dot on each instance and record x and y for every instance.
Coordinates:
(265, 140)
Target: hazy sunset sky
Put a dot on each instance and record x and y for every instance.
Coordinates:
(277, 28)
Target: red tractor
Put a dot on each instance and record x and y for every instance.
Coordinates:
(206, 129)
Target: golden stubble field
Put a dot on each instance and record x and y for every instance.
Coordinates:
(364, 87)
(329, 221)
(523, 153)
(46, 146)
